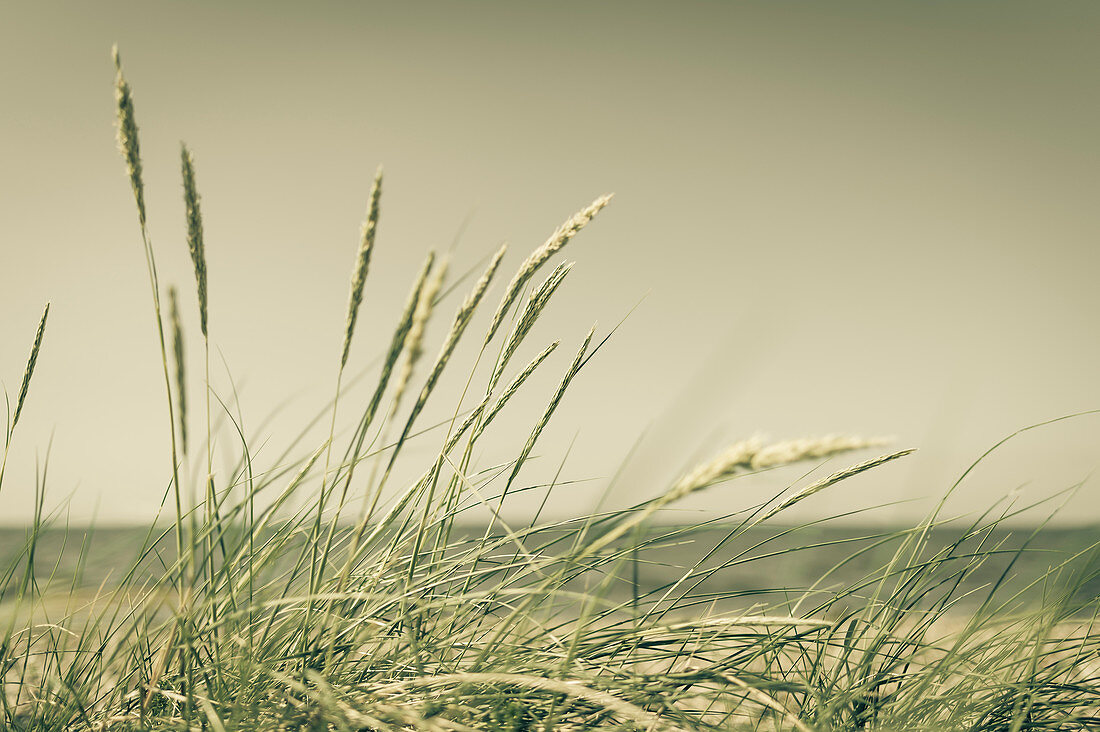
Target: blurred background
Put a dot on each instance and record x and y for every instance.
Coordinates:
(876, 218)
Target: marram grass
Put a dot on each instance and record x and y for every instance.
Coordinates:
(281, 606)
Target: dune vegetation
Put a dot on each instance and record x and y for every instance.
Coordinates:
(319, 592)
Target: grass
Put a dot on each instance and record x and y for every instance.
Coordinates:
(313, 594)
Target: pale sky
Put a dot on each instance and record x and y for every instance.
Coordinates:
(876, 218)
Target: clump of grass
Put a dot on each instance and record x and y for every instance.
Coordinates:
(279, 614)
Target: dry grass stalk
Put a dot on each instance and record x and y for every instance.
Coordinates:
(28, 372)
(177, 352)
(194, 231)
(552, 246)
(362, 263)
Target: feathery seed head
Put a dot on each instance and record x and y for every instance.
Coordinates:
(749, 455)
(194, 231)
(531, 312)
(424, 307)
(28, 372)
(474, 298)
(834, 479)
(128, 135)
(458, 327)
(735, 457)
(177, 351)
(414, 340)
(574, 368)
(752, 454)
(782, 453)
(362, 263)
(557, 240)
(537, 301)
(370, 223)
(566, 231)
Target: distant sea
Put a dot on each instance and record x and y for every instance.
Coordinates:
(762, 567)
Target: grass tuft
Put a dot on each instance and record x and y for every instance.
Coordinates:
(434, 608)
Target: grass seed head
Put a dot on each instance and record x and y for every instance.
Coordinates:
(181, 372)
(28, 372)
(362, 263)
(194, 231)
(531, 312)
(128, 135)
(458, 327)
(834, 479)
(752, 454)
(791, 451)
(414, 347)
(402, 340)
(424, 307)
(552, 246)
(474, 298)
